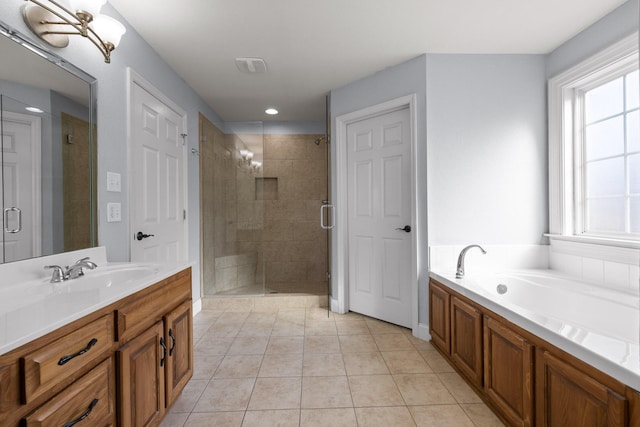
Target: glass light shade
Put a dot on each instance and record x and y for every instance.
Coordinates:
(249, 155)
(91, 6)
(108, 29)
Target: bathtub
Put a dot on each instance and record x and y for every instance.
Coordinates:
(598, 325)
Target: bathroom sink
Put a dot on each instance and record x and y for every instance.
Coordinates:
(105, 277)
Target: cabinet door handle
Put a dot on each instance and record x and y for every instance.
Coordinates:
(92, 405)
(65, 359)
(164, 351)
(173, 342)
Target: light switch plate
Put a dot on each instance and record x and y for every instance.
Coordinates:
(114, 212)
(113, 182)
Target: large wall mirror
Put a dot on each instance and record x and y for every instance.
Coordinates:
(48, 180)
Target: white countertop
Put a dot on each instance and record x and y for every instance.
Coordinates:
(602, 353)
(32, 309)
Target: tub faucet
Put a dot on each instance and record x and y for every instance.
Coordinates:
(460, 266)
(75, 270)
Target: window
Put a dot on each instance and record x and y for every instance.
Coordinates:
(594, 147)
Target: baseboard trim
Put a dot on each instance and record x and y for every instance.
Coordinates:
(422, 332)
(197, 306)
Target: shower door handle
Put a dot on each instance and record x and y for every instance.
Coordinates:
(6, 220)
(333, 216)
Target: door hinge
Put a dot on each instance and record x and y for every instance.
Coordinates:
(184, 138)
(184, 214)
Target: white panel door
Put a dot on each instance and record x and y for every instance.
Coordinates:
(379, 179)
(158, 196)
(21, 138)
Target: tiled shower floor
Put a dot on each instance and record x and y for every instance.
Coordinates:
(298, 367)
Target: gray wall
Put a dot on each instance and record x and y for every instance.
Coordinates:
(403, 79)
(487, 155)
(133, 52)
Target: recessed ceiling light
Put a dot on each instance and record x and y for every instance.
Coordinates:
(34, 110)
(271, 111)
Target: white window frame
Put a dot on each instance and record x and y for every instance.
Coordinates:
(562, 136)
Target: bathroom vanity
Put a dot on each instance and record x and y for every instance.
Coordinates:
(525, 379)
(122, 364)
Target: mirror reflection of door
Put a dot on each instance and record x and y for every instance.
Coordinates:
(21, 192)
(77, 189)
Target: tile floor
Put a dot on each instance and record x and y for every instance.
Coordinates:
(298, 367)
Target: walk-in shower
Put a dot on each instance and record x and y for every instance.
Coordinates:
(261, 195)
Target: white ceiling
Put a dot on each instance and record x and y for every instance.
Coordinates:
(313, 46)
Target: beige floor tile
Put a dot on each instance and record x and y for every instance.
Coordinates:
(481, 415)
(215, 419)
(357, 344)
(296, 316)
(249, 345)
(231, 316)
(374, 390)
(279, 418)
(320, 327)
(281, 365)
(379, 327)
(436, 361)
(276, 393)
(263, 318)
(338, 417)
(204, 366)
(174, 420)
(224, 329)
(321, 344)
(214, 345)
(255, 330)
(226, 395)
(285, 345)
(406, 362)
(423, 389)
(420, 344)
(286, 328)
(393, 342)
(396, 416)
(241, 366)
(440, 416)
(325, 392)
(189, 396)
(319, 313)
(322, 365)
(460, 390)
(351, 315)
(370, 363)
(352, 327)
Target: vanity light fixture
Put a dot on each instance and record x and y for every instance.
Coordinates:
(54, 23)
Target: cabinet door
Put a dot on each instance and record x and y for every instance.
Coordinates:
(439, 317)
(508, 372)
(466, 339)
(179, 338)
(566, 396)
(141, 374)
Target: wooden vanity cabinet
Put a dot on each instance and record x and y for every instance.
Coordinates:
(568, 397)
(123, 365)
(466, 339)
(508, 372)
(439, 319)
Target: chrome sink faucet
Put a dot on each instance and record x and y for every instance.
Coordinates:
(460, 266)
(60, 275)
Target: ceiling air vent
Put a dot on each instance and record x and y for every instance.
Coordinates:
(251, 65)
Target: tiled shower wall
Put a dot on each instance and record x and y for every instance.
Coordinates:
(294, 243)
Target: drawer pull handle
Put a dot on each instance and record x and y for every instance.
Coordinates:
(65, 359)
(164, 354)
(92, 405)
(173, 342)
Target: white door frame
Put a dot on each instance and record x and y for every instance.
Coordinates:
(133, 78)
(340, 304)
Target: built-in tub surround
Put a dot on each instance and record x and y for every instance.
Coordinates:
(597, 325)
(31, 306)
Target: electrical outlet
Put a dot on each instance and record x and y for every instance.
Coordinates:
(114, 212)
(113, 182)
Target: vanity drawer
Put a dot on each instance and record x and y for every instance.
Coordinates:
(62, 359)
(141, 313)
(90, 398)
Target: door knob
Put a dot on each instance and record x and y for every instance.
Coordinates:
(406, 228)
(140, 235)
